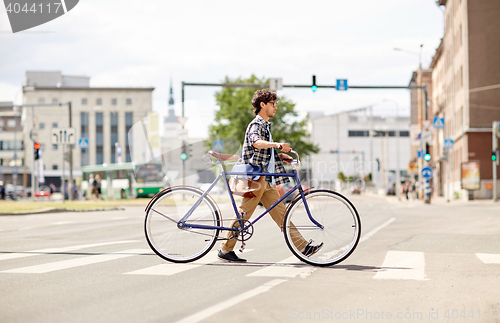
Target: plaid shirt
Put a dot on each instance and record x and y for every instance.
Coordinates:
(258, 130)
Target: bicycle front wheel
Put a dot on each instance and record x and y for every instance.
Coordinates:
(181, 244)
(337, 227)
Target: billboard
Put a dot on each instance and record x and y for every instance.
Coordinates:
(470, 175)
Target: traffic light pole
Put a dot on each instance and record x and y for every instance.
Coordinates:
(33, 106)
(494, 138)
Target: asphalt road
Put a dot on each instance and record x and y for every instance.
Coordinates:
(416, 263)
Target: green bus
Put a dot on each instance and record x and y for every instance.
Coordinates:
(125, 180)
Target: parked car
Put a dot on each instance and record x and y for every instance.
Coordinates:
(43, 191)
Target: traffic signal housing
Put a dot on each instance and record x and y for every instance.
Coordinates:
(183, 151)
(36, 150)
(495, 156)
(314, 87)
(427, 155)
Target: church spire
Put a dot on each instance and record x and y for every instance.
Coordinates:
(171, 98)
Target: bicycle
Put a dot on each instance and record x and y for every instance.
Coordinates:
(183, 223)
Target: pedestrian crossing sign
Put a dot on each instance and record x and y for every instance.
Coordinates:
(438, 123)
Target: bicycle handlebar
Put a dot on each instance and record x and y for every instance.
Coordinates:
(295, 162)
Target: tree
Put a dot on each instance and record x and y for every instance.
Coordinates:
(236, 112)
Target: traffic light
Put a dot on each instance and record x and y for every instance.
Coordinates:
(495, 156)
(183, 152)
(36, 151)
(427, 155)
(314, 87)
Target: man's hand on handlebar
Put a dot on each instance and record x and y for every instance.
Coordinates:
(284, 147)
(286, 159)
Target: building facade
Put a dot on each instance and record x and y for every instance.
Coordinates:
(347, 148)
(466, 93)
(101, 117)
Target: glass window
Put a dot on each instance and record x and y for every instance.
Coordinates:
(129, 101)
(54, 167)
(84, 101)
(41, 100)
(41, 125)
(114, 135)
(84, 130)
(128, 138)
(54, 101)
(54, 125)
(113, 101)
(11, 123)
(98, 101)
(54, 147)
(99, 138)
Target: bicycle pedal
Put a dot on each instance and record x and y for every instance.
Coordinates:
(242, 247)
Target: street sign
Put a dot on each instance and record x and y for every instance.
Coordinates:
(427, 172)
(34, 135)
(420, 153)
(342, 85)
(63, 136)
(275, 84)
(426, 137)
(426, 125)
(438, 123)
(448, 143)
(218, 145)
(83, 143)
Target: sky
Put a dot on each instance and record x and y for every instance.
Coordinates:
(160, 42)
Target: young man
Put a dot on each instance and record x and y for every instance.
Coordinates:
(259, 149)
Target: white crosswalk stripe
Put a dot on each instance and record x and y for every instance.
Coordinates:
(72, 263)
(285, 269)
(403, 265)
(489, 258)
(169, 269)
(39, 252)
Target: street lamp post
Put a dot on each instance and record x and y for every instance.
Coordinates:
(398, 179)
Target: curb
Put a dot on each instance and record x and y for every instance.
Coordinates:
(58, 210)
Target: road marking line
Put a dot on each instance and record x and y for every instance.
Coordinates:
(15, 255)
(284, 269)
(377, 229)
(403, 265)
(169, 269)
(489, 258)
(72, 263)
(231, 302)
(63, 222)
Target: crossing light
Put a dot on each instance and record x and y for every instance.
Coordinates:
(183, 152)
(36, 150)
(495, 156)
(427, 155)
(314, 87)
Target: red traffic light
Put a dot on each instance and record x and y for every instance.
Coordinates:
(36, 145)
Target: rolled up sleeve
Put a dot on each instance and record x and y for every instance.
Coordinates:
(254, 134)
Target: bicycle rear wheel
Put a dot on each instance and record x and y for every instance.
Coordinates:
(181, 244)
(339, 232)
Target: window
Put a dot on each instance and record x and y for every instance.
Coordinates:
(98, 101)
(99, 143)
(129, 101)
(54, 125)
(113, 101)
(41, 125)
(11, 123)
(358, 133)
(54, 101)
(41, 100)
(114, 135)
(128, 136)
(54, 147)
(84, 131)
(84, 101)
(54, 167)
(404, 133)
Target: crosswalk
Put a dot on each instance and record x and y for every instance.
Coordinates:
(397, 265)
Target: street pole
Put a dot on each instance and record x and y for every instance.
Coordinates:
(495, 147)
(70, 186)
(33, 188)
(398, 179)
(371, 142)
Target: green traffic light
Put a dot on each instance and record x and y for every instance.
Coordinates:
(314, 88)
(493, 157)
(184, 156)
(427, 157)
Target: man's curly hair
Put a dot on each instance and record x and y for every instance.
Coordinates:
(263, 95)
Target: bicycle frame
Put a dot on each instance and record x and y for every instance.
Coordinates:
(182, 222)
